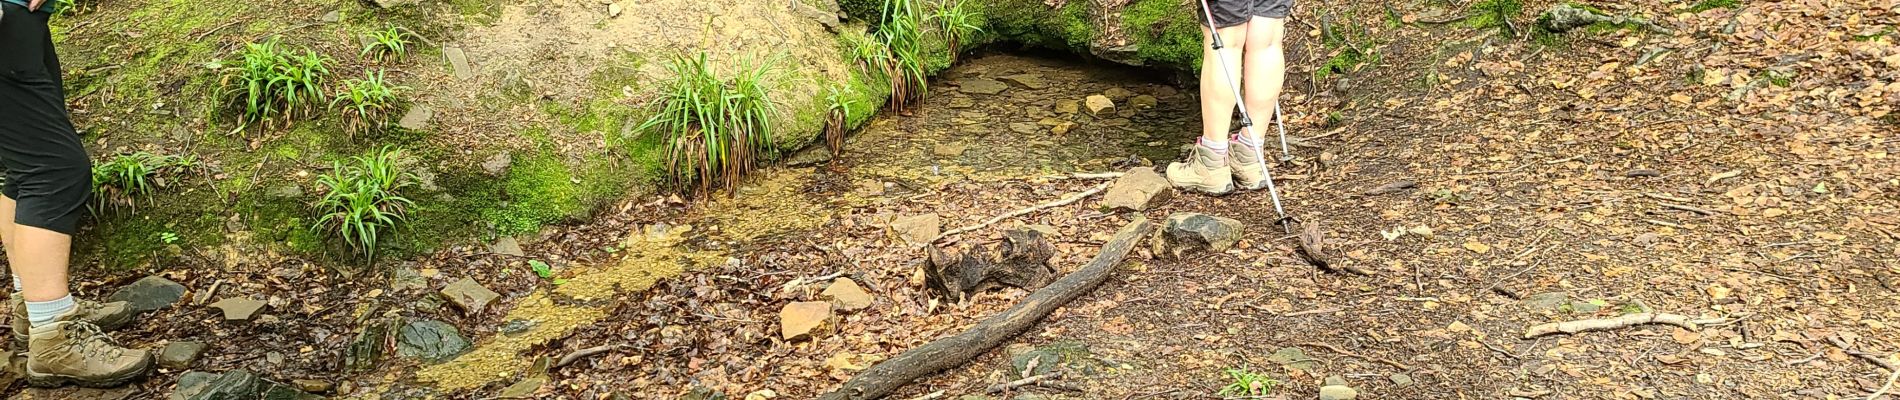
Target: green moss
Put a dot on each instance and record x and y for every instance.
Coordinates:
(1167, 32)
(863, 10)
(541, 189)
(1706, 5)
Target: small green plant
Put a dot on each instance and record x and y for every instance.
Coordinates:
(271, 82)
(1489, 14)
(367, 103)
(123, 179)
(166, 238)
(363, 198)
(543, 270)
(956, 20)
(1247, 383)
(1706, 5)
(1778, 78)
(902, 34)
(837, 104)
(715, 129)
(387, 45)
(1351, 45)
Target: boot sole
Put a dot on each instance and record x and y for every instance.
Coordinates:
(39, 380)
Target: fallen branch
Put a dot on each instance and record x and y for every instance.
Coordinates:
(885, 377)
(1012, 214)
(1697, 210)
(577, 355)
(1893, 373)
(1343, 352)
(1620, 321)
(1000, 387)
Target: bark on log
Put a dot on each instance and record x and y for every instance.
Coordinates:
(886, 377)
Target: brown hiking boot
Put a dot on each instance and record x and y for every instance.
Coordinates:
(1247, 164)
(107, 316)
(76, 352)
(1205, 172)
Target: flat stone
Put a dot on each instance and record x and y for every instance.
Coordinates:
(149, 293)
(917, 229)
(1143, 102)
(1118, 94)
(459, 61)
(430, 340)
(1099, 104)
(417, 118)
(1401, 379)
(469, 295)
(1293, 357)
(238, 308)
(395, 3)
(1045, 362)
(845, 294)
(804, 319)
(1062, 128)
(524, 389)
(405, 279)
(497, 164)
(1187, 231)
(949, 149)
(981, 86)
(1337, 392)
(507, 245)
(1137, 190)
(1024, 128)
(1068, 107)
(1335, 380)
(1032, 81)
(1547, 301)
(179, 355)
(235, 384)
(312, 385)
(331, 17)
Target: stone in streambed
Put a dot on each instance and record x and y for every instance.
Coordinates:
(469, 295)
(1099, 105)
(1032, 81)
(1137, 190)
(430, 340)
(981, 86)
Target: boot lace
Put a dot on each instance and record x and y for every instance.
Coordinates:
(88, 340)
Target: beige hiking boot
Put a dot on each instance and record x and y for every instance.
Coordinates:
(76, 352)
(1247, 164)
(1205, 172)
(108, 316)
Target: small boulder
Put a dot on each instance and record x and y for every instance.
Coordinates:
(469, 295)
(312, 385)
(981, 86)
(179, 355)
(1143, 102)
(1337, 392)
(417, 118)
(497, 164)
(1187, 231)
(1117, 94)
(917, 229)
(149, 293)
(1032, 81)
(239, 308)
(845, 294)
(430, 340)
(804, 319)
(459, 61)
(1099, 105)
(236, 384)
(1068, 107)
(1137, 190)
(507, 245)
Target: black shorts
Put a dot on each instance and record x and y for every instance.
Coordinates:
(48, 171)
(1229, 13)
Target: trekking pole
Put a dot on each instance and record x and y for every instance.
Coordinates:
(1246, 122)
(1279, 121)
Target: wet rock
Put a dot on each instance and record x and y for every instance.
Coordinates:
(469, 295)
(312, 385)
(233, 385)
(1068, 107)
(239, 308)
(524, 389)
(804, 319)
(430, 340)
(1117, 94)
(961, 102)
(1142, 102)
(179, 355)
(1049, 122)
(497, 164)
(459, 61)
(507, 245)
(1137, 190)
(1032, 81)
(1099, 104)
(917, 229)
(949, 149)
(809, 156)
(845, 294)
(367, 350)
(406, 279)
(417, 118)
(149, 293)
(1337, 392)
(981, 86)
(1187, 231)
(1062, 128)
(516, 326)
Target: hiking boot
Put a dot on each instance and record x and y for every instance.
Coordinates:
(77, 352)
(1204, 172)
(107, 316)
(1247, 164)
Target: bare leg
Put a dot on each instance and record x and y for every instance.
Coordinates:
(1265, 72)
(39, 257)
(7, 206)
(1217, 93)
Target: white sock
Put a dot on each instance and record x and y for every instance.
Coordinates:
(1220, 149)
(1249, 142)
(16, 284)
(40, 313)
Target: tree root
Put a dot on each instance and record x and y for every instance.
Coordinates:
(1620, 321)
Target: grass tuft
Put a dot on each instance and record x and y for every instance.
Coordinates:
(1247, 383)
(1489, 14)
(902, 34)
(715, 129)
(367, 103)
(123, 179)
(838, 103)
(957, 20)
(363, 198)
(272, 83)
(387, 45)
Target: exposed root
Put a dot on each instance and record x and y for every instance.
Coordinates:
(1032, 380)
(577, 355)
(1616, 322)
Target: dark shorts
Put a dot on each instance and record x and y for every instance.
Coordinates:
(1229, 13)
(48, 171)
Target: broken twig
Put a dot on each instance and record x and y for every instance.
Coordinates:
(1012, 214)
(577, 355)
(1620, 321)
(1032, 380)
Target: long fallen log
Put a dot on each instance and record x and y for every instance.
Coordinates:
(885, 377)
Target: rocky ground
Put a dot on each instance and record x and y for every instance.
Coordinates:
(1487, 183)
